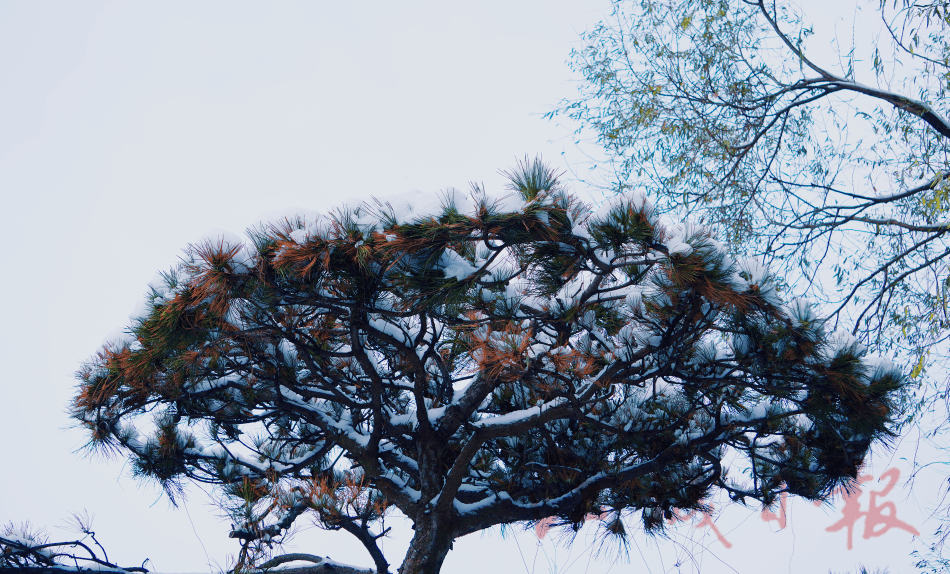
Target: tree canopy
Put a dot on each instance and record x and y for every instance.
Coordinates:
(834, 163)
(479, 361)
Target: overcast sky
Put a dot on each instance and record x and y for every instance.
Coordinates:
(128, 130)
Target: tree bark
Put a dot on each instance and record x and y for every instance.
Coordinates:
(431, 542)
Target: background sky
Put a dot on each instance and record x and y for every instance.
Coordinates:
(128, 130)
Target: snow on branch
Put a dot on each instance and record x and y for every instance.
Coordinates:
(476, 361)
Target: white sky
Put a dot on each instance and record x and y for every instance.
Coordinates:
(128, 130)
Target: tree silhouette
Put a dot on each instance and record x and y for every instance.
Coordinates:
(484, 362)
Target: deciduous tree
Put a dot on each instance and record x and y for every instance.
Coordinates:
(485, 362)
(834, 163)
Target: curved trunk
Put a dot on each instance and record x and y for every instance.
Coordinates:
(431, 542)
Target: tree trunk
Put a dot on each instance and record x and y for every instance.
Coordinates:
(431, 542)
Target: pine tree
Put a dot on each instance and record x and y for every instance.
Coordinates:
(489, 362)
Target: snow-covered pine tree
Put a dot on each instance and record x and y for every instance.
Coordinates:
(485, 362)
